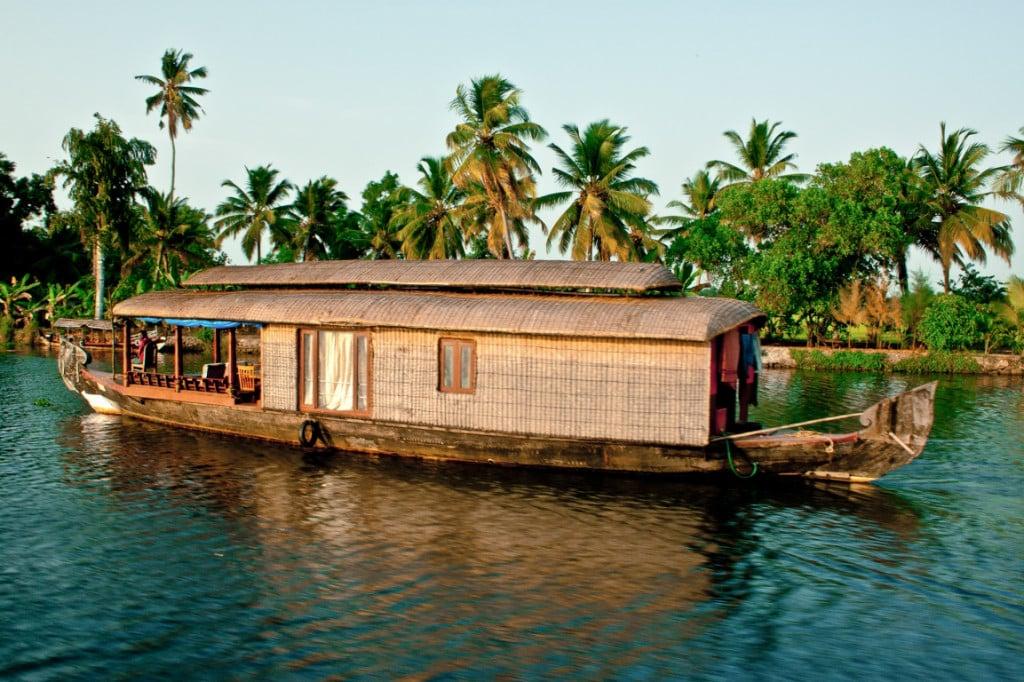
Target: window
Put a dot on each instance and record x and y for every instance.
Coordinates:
(335, 371)
(456, 366)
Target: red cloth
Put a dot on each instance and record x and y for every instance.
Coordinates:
(143, 342)
(731, 357)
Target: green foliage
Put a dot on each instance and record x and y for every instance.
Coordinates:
(42, 402)
(978, 288)
(204, 334)
(434, 224)
(376, 233)
(254, 210)
(490, 161)
(175, 96)
(760, 155)
(952, 322)
(173, 240)
(937, 362)
(608, 209)
(22, 200)
(916, 302)
(840, 360)
(961, 228)
(6, 330)
(309, 226)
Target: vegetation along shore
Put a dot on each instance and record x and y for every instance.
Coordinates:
(823, 252)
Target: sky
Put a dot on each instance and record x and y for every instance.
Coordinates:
(353, 89)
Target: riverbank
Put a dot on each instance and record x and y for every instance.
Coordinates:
(899, 361)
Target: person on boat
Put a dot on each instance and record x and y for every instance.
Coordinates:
(143, 342)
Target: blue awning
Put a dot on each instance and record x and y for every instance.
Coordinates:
(211, 324)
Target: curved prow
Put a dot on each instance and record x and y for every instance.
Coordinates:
(71, 359)
(905, 419)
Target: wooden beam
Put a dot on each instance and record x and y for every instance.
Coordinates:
(233, 360)
(178, 364)
(126, 353)
(216, 346)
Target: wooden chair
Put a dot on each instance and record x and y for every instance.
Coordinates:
(246, 378)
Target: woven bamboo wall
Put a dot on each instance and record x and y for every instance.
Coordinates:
(280, 367)
(650, 391)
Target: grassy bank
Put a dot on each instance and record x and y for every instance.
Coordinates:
(935, 362)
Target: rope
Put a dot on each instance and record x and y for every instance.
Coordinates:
(732, 465)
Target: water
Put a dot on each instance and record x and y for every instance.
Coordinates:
(129, 549)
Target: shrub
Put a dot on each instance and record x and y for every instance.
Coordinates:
(6, 330)
(840, 360)
(952, 322)
(204, 334)
(938, 362)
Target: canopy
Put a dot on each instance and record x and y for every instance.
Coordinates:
(212, 324)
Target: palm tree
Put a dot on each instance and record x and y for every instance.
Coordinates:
(1011, 178)
(491, 160)
(174, 239)
(956, 184)
(252, 211)
(1013, 309)
(701, 192)
(308, 223)
(760, 155)
(175, 97)
(432, 226)
(1015, 145)
(608, 211)
(103, 174)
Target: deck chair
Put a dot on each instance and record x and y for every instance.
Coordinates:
(148, 361)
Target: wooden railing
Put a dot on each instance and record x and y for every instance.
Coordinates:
(248, 382)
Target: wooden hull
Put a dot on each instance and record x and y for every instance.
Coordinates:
(853, 457)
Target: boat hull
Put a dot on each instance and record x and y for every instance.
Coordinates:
(854, 457)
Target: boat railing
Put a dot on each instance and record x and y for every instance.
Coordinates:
(249, 384)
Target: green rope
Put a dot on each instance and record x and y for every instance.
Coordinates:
(732, 466)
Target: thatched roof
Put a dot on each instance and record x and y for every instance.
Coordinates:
(447, 274)
(68, 323)
(662, 317)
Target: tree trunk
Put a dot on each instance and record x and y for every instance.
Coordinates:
(945, 279)
(259, 256)
(901, 272)
(174, 159)
(508, 236)
(97, 271)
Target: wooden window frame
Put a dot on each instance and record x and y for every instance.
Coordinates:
(458, 344)
(301, 369)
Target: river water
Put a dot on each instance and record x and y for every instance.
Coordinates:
(129, 549)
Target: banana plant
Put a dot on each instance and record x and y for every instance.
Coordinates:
(14, 295)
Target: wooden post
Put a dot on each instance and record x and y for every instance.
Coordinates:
(126, 353)
(177, 358)
(113, 348)
(232, 361)
(216, 345)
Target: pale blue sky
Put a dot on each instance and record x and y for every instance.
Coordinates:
(354, 89)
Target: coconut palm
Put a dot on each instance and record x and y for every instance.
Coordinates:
(760, 155)
(432, 226)
(253, 210)
(175, 97)
(1013, 309)
(103, 174)
(490, 160)
(1010, 182)
(701, 192)
(307, 224)
(608, 209)
(956, 184)
(174, 238)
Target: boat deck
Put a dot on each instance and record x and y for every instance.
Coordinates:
(184, 389)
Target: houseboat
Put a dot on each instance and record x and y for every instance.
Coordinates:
(589, 365)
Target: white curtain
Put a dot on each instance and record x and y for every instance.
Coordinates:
(336, 371)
